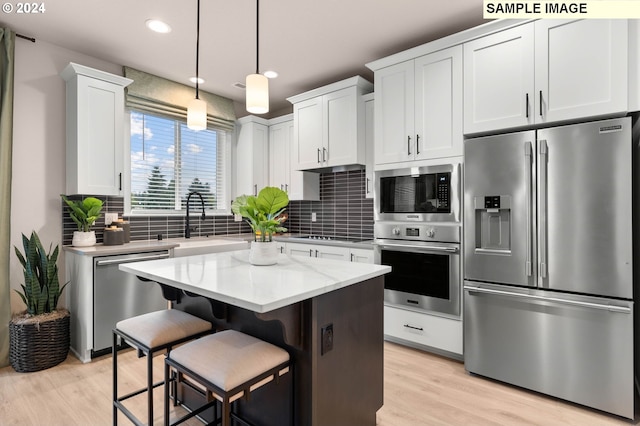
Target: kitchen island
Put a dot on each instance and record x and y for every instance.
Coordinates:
(327, 314)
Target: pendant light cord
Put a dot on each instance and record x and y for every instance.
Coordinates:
(257, 36)
(197, 49)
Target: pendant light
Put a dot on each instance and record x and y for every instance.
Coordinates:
(257, 85)
(197, 110)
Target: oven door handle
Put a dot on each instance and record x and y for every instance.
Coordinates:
(421, 248)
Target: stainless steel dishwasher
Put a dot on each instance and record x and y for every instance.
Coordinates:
(119, 295)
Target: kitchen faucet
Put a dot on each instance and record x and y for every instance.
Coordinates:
(187, 229)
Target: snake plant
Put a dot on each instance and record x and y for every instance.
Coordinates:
(41, 289)
(84, 212)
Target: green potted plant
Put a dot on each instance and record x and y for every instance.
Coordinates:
(39, 337)
(84, 213)
(264, 214)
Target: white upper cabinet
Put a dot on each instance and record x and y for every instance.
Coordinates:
(298, 185)
(418, 108)
(545, 71)
(498, 80)
(581, 68)
(329, 125)
(95, 131)
(252, 155)
(369, 134)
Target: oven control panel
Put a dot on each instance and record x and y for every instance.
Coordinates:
(417, 231)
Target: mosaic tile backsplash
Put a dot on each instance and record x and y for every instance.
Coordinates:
(343, 211)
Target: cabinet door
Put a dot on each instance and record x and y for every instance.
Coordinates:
(498, 80)
(308, 134)
(369, 146)
(305, 250)
(394, 87)
(341, 144)
(438, 104)
(279, 156)
(252, 166)
(97, 151)
(580, 68)
(361, 255)
(330, 252)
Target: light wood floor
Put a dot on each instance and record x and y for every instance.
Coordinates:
(420, 389)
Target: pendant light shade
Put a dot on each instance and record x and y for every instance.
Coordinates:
(257, 94)
(197, 109)
(197, 114)
(257, 85)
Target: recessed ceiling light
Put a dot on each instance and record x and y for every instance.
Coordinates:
(193, 80)
(270, 74)
(157, 26)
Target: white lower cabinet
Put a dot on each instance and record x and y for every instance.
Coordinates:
(329, 252)
(313, 250)
(361, 255)
(437, 334)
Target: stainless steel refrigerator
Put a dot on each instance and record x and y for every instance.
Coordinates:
(548, 262)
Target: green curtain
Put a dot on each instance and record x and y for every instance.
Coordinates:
(7, 43)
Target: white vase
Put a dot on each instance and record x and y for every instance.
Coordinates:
(263, 253)
(83, 239)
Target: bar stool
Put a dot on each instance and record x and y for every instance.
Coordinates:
(229, 365)
(149, 334)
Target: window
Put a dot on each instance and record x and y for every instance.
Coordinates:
(168, 161)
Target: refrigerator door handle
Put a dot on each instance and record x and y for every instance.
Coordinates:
(542, 190)
(527, 165)
(611, 308)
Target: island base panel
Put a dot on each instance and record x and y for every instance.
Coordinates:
(344, 386)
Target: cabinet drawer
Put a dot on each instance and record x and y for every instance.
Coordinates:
(436, 332)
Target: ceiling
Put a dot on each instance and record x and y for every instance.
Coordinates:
(310, 43)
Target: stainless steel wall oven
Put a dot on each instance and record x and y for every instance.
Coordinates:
(417, 233)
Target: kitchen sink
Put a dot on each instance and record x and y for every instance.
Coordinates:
(193, 246)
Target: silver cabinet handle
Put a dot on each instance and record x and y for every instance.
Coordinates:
(324, 154)
(367, 186)
(255, 189)
(286, 187)
(131, 259)
(316, 253)
(408, 145)
(528, 177)
(318, 155)
(310, 252)
(612, 308)
(417, 144)
(526, 112)
(542, 205)
(420, 248)
(351, 257)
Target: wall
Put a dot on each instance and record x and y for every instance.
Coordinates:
(39, 145)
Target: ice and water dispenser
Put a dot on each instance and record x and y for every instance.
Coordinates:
(493, 224)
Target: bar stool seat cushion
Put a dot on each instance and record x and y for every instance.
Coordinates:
(162, 327)
(229, 358)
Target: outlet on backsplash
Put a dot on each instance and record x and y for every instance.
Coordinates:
(314, 217)
(110, 217)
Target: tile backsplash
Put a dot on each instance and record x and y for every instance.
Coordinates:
(343, 211)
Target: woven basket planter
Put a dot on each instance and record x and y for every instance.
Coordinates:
(39, 342)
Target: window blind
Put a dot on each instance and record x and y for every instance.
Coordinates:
(157, 95)
(168, 160)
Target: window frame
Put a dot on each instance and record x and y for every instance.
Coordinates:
(227, 176)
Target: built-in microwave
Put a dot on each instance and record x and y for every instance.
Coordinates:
(425, 194)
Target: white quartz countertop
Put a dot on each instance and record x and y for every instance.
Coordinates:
(230, 278)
